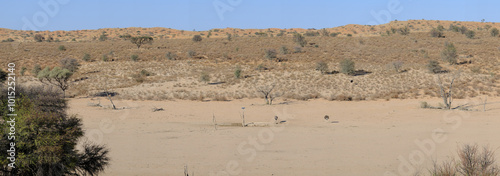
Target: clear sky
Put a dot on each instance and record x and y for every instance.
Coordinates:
(209, 14)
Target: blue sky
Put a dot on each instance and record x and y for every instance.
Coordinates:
(204, 15)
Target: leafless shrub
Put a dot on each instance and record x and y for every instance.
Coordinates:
(471, 161)
(396, 65)
(447, 168)
(267, 92)
(70, 64)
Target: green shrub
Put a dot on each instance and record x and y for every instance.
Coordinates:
(23, 70)
(191, 53)
(449, 54)
(470, 34)
(70, 64)
(229, 37)
(325, 33)
(48, 139)
(103, 37)
(8, 40)
(494, 32)
(62, 48)
(141, 40)
(284, 50)
(237, 72)
(299, 39)
(434, 67)
(311, 33)
(349, 35)
(454, 28)
(145, 73)
(404, 31)
(322, 67)
(347, 66)
(436, 33)
(463, 30)
(39, 38)
(197, 38)
(134, 58)
(334, 34)
(105, 58)
(440, 28)
(86, 57)
(271, 54)
(204, 77)
(171, 56)
(36, 69)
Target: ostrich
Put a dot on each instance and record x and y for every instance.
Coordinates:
(276, 119)
(327, 117)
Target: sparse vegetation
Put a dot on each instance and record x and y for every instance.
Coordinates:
(204, 77)
(271, 54)
(39, 38)
(494, 32)
(449, 54)
(8, 40)
(139, 41)
(23, 70)
(237, 72)
(436, 33)
(105, 58)
(470, 34)
(171, 56)
(86, 57)
(325, 33)
(471, 161)
(299, 39)
(197, 38)
(191, 53)
(134, 58)
(347, 66)
(297, 49)
(36, 69)
(267, 92)
(70, 64)
(397, 65)
(322, 67)
(434, 67)
(284, 50)
(62, 48)
(404, 30)
(103, 37)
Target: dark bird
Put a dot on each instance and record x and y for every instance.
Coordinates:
(276, 119)
(327, 117)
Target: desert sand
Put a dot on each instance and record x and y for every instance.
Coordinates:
(393, 137)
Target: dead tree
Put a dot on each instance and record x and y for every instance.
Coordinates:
(447, 95)
(267, 92)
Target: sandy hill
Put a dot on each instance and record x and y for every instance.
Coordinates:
(168, 33)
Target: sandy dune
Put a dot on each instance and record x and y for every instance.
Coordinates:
(371, 137)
